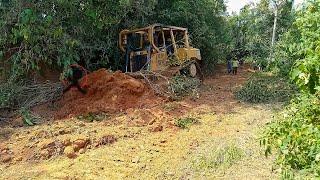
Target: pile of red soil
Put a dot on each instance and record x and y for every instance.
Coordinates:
(106, 92)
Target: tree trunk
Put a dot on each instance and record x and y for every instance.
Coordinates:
(274, 27)
(292, 6)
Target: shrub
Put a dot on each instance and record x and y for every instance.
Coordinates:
(295, 135)
(183, 86)
(186, 122)
(266, 88)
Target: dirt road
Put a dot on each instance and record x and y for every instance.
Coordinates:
(144, 143)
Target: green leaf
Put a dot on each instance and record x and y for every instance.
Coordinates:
(295, 73)
(28, 122)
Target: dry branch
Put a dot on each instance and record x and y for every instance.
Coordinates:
(28, 95)
(156, 81)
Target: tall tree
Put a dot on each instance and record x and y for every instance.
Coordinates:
(260, 25)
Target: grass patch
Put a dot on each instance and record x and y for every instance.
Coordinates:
(170, 106)
(266, 88)
(186, 122)
(223, 157)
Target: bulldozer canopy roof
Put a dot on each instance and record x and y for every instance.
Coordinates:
(150, 31)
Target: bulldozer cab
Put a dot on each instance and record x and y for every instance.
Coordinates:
(156, 47)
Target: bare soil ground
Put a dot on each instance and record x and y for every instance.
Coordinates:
(144, 143)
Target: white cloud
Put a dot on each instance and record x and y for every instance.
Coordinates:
(297, 2)
(236, 5)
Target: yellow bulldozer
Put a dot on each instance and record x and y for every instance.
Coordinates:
(159, 48)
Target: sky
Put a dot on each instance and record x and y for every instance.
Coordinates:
(236, 5)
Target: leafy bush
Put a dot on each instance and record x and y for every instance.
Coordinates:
(183, 86)
(266, 88)
(306, 72)
(286, 53)
(186, 122)
(295, 136)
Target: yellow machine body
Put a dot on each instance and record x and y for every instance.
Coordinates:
(156, 47)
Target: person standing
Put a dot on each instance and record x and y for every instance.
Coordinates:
(235, 65)
(229, 64)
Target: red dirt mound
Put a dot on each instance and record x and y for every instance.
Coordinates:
(106, 92)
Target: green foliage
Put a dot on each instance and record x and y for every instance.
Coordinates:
(286, 53)
(296, 136)
(28, 118)
(58, 33)
(183, 86)
(306, 72)
(266, 88)
(186, 122)
(298, 51)
(251, 30)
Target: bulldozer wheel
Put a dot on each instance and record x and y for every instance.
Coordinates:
(193, 70)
